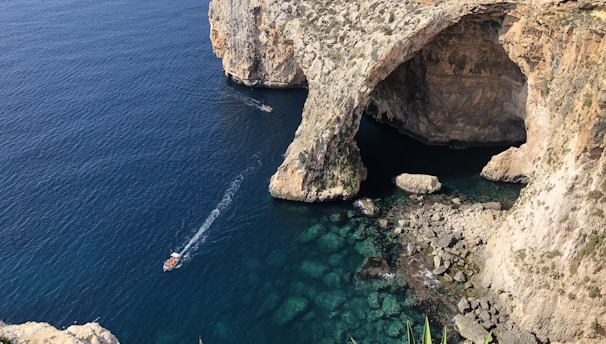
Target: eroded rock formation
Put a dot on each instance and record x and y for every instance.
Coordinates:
(35, 332)
(455, 73)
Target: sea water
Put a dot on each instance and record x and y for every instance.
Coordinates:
(119, 138)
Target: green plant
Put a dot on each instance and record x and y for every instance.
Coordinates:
(521, 254)
(426, 339)
(572, 296)
(587, 102)
(594, 194)
(591, 248)
(5, 340)
(594, 292)
(553, 254)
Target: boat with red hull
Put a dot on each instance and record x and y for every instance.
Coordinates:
(174, 262)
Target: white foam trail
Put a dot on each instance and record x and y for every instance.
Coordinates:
(248, 101)
(225, 202)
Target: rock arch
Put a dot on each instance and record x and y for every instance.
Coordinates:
(323, 162)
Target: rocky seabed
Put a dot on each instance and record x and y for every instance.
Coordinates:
(366, 276)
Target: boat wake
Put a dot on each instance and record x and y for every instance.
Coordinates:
(199, 236)
(248, 101)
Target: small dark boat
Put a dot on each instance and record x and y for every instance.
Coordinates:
(174, 262)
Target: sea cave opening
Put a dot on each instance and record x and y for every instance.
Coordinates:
(459, 101)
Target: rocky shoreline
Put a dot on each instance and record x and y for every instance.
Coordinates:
(439, 242)
(36, 332)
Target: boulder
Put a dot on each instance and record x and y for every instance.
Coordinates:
(367, 207)
(491, 205)
(469, 329)
(446, 241)
(439, 270)
(418, 183)
(516, 336)
(460, 277)
(463, 306)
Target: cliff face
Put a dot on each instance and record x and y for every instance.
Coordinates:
(463, 74)
(547, 261)
(33, 332)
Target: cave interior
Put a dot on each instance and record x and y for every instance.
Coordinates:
(446, 111)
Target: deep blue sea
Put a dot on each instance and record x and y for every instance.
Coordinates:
(122, 141)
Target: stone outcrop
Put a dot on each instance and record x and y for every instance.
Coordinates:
(509, 166)
(462, 74)
(418, 183)
(34, 332)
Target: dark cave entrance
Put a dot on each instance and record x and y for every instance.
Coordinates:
(386, 153)
(460, 90)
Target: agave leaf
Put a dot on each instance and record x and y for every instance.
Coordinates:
(411, 338)
(444, 336)
(353, 341)
(426, 333)
(488, 338)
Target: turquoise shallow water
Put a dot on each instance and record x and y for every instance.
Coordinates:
(119, 136)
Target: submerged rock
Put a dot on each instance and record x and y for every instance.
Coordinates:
(313, 269)
(330, 301)
(269, 304)
(374, 268)
(331, 242)
(312, 233)
(289, 309)
(390, 305)
(332, 280)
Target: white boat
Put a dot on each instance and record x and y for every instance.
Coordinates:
(266, 108)
(174, 262)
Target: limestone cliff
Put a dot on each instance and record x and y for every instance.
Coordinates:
(458, 73)
(33, 332)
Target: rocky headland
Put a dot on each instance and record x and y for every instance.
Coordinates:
(35, 332)
(459, 73)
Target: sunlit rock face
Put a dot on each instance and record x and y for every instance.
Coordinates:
(461, 74)
(35, 332)
(461, 89)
